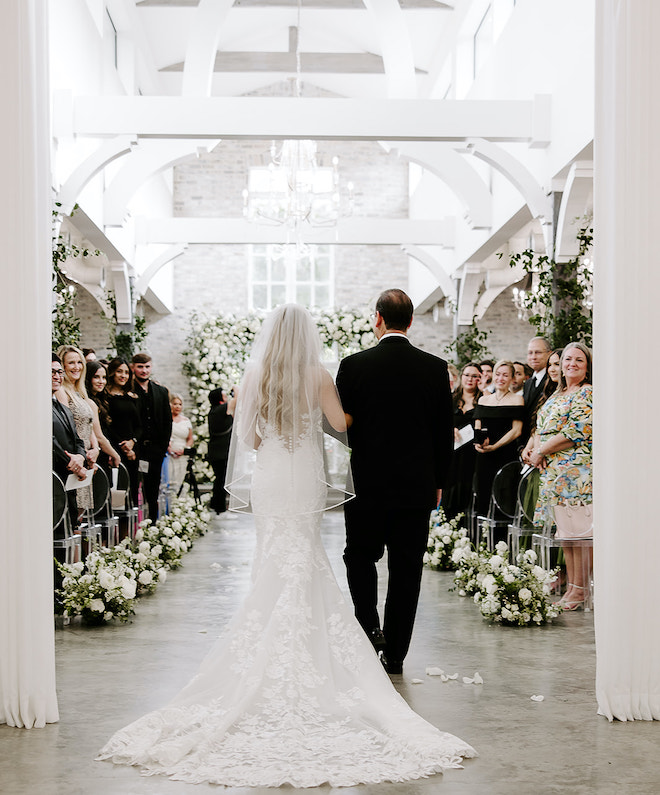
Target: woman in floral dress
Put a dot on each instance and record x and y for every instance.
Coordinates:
(563, 452)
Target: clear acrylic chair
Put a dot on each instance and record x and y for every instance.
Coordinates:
(70, 542)
(100, 525)
(503, 501)
(545, 541)
(122, 502)
(523, 520)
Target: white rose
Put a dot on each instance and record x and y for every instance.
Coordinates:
(508, 576)
(77, 569)
(144, 547)
(162, 575)
(177, 526)
(97, 606)
(146, 578)
(108, 615)
(501, 548)
(507, 614)
(140, 558)
(106, 580)
(496, 562)
(128, 588)
(525, 595)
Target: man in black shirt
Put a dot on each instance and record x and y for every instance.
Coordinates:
(156, 419)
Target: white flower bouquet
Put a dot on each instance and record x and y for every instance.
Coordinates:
(101, 588)
(444, 538)
(516, 594)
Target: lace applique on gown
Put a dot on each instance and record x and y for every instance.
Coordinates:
(83, 418)
(292, 693)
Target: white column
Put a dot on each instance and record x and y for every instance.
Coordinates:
(27, 659)
(627, 380)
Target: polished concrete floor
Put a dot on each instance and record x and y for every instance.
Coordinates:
(109, 676)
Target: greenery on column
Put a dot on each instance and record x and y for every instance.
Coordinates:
(470, 345)
(124, 341)
(560, 302)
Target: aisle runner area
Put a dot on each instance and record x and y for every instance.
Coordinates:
(107, 676)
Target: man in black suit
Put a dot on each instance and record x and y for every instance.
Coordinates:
(68, 447)
(156, 419)
(538, 353)
(398, 405)
(220, 421)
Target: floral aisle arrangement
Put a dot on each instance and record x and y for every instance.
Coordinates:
(516, 594)
(107, 583)
(444, 537)
(218, 347)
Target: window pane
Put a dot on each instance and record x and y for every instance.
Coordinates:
(277, 295)
(304, 294)
(322, 296)
(304, 270)
(260, 296)
(322, 269)
(260, 269)
(278, 270)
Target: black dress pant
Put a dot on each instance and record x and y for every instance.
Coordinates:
(371, 527)
(219, 497)
(151, 484)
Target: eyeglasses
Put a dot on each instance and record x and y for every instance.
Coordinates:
(58, 373)
(467, 375)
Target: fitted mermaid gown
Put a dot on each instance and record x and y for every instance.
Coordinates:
(293, 692)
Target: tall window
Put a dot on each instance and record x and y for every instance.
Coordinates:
(278, 276)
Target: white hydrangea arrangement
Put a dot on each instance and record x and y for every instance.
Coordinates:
(445, 536)
(107, 583)
(516, 594)
(218, 347)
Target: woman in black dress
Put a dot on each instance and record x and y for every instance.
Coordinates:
(457, 493)
(499, 418)
(125, 426)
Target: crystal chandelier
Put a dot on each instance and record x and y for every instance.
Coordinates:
(294, 189)
(522, 300)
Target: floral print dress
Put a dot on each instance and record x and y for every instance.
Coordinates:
(567, 479)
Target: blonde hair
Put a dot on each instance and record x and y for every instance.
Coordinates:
(508, 364)
(70, 387)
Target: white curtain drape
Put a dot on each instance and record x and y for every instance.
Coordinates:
(627, 287)
(27, 660)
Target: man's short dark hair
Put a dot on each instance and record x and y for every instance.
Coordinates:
(526, 369)
(489, 362)
(141, 358)
(56, 358)
(396, 309)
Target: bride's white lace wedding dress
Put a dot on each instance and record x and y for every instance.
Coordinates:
(293, 692)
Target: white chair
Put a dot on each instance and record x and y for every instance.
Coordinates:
(70, 542)
(122, 502)
(546, 540)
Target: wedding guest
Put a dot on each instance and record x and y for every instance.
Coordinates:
(486, 383)
(401, 459)
(69, 454)
(156, 420)
(538, 352)
(521, 372)
(125, 428)
(453, 376)
(499, 418)
(457, 493)
(95, 381)
(220, 421)
(180, 440)
(563, 454)
(74, 395)
(89, 354)
(551, 384)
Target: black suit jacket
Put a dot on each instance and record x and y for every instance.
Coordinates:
(65, 439)
(157, 430)
(402, 432)
(531, 395)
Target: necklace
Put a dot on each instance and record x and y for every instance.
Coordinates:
(499, 400)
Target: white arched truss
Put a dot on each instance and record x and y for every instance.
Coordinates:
(151, 158)
(202, 47)
(426, 259)
(396, 47)
(171, 253)
(108, 151)
(576, 202)
(456, 173)
(539, 203)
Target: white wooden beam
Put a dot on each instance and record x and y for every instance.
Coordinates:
(576, 201)
(350, 231)
(203, 40)
(396, 48)
(270, 117)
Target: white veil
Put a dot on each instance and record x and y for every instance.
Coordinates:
(289, 426)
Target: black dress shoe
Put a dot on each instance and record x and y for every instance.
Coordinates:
(393, 667)
(377, 639)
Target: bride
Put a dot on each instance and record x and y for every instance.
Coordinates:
(293, 692)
